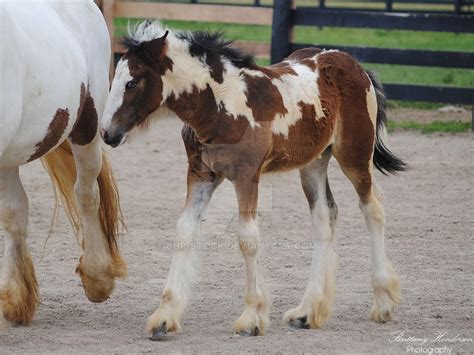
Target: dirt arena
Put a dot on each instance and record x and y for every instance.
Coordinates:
(430, 224)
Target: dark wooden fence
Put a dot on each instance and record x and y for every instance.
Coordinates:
(285, 16)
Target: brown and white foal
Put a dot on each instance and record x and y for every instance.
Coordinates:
(242, 120)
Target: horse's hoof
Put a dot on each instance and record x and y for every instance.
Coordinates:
(300, 323)
(159, 334)
(253, 333)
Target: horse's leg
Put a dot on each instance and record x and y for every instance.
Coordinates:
(357, 166)
(97, 267)
(315, 307)
(254, 319)
(177, 290)
(18, 286)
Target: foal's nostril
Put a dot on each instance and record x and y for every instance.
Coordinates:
(105, 135)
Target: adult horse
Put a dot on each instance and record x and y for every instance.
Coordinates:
(243, 120)
(54, 59)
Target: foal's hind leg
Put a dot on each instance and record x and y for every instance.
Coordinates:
(18, 286)
(167, 318)
(315, 308)
(97, 267)
(357, 166)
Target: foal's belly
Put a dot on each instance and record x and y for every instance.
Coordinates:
(306, 141)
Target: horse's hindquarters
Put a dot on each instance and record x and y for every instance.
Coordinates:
(49, 76)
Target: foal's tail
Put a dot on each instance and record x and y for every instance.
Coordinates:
(59, 163)
(384, 160)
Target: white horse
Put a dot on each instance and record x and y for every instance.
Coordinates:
(54, 65)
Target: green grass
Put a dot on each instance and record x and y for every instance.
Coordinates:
(432, 127)
(359, 37)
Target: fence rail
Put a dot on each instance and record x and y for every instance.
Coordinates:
(195, 12)
(247, 15)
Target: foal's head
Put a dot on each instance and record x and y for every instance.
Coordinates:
(137, 88)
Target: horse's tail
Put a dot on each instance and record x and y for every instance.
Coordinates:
(59, 163)
(384, 160)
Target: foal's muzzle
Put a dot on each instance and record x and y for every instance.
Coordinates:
(112, 139)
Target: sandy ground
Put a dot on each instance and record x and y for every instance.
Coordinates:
(430, 224)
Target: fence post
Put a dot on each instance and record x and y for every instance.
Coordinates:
(389, 5)
(108, 7)
(281, 29)
(457, 7)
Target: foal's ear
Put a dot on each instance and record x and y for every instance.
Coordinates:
(156, 49)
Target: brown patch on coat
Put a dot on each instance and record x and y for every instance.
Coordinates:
(147, 65)
(263, 98)
(276, 71)
(302, 54)
(307, 138)
(226, 145)
(247, 197)
(55, 131)
(340, 73)
(85, 128)
(310, 63)
(211, 123)
(216, 67)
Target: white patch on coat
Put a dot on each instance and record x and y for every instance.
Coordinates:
(189, 72)
(372, 104)
(295, 89)
(115, 100)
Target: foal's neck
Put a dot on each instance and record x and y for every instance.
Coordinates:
(197, 98)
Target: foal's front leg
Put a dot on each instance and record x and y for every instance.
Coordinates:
(183, 266)
(254, 320)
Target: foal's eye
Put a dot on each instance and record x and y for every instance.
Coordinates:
(132, 84)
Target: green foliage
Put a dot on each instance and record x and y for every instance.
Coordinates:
(436, 126)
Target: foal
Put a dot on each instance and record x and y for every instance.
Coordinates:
(242, 120)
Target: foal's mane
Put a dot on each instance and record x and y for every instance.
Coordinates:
(211, 44)
(203, 44)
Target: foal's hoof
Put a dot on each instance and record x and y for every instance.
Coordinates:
(253, 333)
(300, 323)
(159, 333)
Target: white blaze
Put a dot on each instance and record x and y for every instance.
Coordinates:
(115, 100)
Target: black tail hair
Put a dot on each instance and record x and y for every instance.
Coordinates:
(384, 160)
